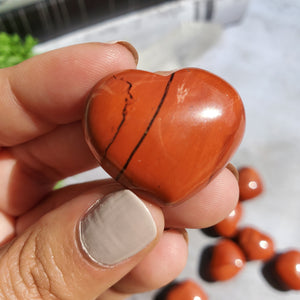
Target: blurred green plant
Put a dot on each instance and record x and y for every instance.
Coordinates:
(58, 185)
(14, 50)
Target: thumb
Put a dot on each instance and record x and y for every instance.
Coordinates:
(80, 249)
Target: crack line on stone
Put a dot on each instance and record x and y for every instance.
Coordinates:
(124, 113)
(148, 127)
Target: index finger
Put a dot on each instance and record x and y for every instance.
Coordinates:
(50, 89)
(41, 106)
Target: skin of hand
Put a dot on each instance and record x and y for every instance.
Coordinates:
(45, 236)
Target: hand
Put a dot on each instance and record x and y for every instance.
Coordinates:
(53, 245)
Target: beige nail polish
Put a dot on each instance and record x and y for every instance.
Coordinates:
(116, 228)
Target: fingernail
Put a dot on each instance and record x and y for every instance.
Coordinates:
(184, 233)
(166, 73)
(129, 47)
(7, 229)
(233, 170)
(116, 228)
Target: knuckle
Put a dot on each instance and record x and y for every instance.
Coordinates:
(29, 269)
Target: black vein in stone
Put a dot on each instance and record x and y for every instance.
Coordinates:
(148, 127)
(124, 113)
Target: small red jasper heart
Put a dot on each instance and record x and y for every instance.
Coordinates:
(229, 226)
(287, 269)
(227, 260)
(186, 290)
(164, 136)
(255, 244)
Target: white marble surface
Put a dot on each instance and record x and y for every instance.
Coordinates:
(260, 57)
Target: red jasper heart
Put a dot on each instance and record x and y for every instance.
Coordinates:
(229, 226)
(250, 183)
(227, 260)
(287, 269)
(164, 136)
(186, 290)
(255, 244)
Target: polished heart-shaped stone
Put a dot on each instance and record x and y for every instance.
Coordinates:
(164, 137)
(255, 244)
(250, 183)
(227, 260)
(287, 269)
(186, 290)
(228, 227)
